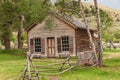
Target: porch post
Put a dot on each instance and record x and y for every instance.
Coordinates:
(56, 48)
(46, 47)
(74, 46)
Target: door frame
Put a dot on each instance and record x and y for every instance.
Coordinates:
(51, 46)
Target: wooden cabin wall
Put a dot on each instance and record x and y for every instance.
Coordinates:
(82, 40)
(61, 29)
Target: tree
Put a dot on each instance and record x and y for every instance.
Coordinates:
(107, 24)
(88, 30)
(100, 62)
(21, 32)
(12, 10)
(21, 11)
(7, 14)
(117, 36)
(32, 10)
(106, 20)
(12, 14)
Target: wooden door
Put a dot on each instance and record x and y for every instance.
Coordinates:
(51, 46)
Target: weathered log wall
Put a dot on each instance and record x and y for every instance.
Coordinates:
(82, 40)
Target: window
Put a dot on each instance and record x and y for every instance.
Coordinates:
(37, 44)
(65, 43)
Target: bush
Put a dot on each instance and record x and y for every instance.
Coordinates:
(14, 51)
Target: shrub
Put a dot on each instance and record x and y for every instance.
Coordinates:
(14, 51)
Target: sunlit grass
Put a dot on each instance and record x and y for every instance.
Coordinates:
(11, 66)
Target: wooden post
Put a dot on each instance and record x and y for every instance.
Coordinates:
(27, 71)
(28, 66)
(100, 62)
(23, 74)
(35, 71)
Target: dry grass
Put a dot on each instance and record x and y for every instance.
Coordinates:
(114, 13)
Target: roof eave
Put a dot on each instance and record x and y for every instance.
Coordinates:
(85, 28)
(31, 26)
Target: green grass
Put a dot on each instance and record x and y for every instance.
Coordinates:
(113, 50)
(111, 71)
(11, 66)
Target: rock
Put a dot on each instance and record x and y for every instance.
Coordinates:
(86, 58)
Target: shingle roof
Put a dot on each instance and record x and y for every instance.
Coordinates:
(78, 23)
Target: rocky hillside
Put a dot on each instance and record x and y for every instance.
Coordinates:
(113, 13)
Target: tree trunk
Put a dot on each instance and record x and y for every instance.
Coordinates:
(100, 62)
(7, 41)
(111, 45)
(20, 33)
(6, 37)
(88, 30)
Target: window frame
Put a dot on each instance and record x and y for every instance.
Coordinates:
(39, 47)
(66, 47)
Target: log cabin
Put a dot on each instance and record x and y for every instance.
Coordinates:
(58, 34)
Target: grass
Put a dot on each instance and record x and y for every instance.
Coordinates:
(12, 64)
(113, 50)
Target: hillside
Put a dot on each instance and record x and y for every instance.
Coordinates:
(113, 13)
